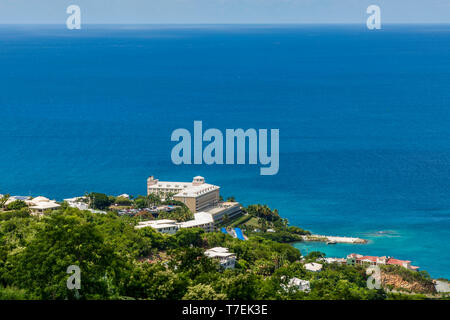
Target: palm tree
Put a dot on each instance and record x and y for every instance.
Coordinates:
(263, 224)
(169, 196)
(153, 199)
(87, 195)
(3, 200)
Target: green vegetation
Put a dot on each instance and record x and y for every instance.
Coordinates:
(407, 280)
(122, 201)
(408, 275)
(99, 201)
(180, 214)
(241, 220)
(9, 293)
(264, 222)
(16, 205)
(3, 200)
(118, 261)
(263, 211)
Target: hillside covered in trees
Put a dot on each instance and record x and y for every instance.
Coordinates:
(118, 261)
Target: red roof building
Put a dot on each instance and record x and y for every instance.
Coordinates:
(372, 260)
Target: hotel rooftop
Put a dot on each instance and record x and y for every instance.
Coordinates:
(188, 189)
(196, 195)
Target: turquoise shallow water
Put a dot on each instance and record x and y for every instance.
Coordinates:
(363, 118)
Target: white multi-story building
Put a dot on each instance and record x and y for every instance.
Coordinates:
(163, 225)
(201, 220)
(224, 209)
(196, 195)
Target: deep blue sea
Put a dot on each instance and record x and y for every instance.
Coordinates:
(364, 119)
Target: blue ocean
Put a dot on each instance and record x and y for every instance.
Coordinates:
(364, 120)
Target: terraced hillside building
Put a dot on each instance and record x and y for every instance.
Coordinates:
(224, 209)
(196, 195)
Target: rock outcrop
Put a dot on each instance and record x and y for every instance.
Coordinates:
(398, 282)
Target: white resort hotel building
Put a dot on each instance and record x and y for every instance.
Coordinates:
(201, 198)
(196, 195)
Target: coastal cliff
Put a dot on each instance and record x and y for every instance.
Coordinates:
(400, 283)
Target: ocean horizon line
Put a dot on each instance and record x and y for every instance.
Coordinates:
(230, 24)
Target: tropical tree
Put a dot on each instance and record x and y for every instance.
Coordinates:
(140, 202)
(169, 196)
(154, 281)
(65, 240)
(243, 286)
(187, 237)
(99, 201)
(16, 205)
(263, 211)
(153, 199)
(122, 201)
(3, 200)
(203, 292)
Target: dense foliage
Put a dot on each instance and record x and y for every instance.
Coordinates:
(180, 214)
(99, 201)
(263, 211)
(16, 205)
(118, 261)
(264, 222)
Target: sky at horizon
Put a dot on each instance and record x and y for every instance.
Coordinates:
(222, 11)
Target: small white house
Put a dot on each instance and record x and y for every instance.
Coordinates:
(314, 267)
(333, 260)
(41, 204)
(78, 202)
(226, 259)
(296, 284)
